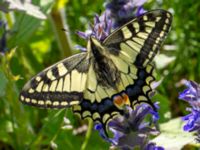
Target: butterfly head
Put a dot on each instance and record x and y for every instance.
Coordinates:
(95, 46)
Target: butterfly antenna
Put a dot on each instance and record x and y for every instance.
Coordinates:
(65, 30)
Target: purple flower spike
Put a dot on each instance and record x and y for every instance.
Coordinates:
(122, 11)
(130, 131)
(192, 96)
(140, 11)
(118, 12)
(100, 30)
(152, 146)
(84, 35)
(102, 133)
(193, 121)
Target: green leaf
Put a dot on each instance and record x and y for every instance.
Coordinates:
(25, 25)
(3, 83)
(50, 129)
(173, 137)
(26, 6)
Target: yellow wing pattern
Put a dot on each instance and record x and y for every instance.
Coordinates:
(139, 40)
(104, 103)
(58, 86)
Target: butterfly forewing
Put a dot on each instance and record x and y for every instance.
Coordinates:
(140, 39)
(60, 85)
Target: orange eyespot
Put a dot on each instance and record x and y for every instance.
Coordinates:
(118, 101)
(121, 100)
(126, 99)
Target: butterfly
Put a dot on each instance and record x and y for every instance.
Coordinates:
(112, 73)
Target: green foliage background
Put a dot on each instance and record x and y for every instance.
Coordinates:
(34, 44)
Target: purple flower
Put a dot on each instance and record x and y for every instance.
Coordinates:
(152, 146)
(101, 28)
(117, 13)
(122, 11)
(130, 131)
(78, 47)
(192, 96)
(193, 121)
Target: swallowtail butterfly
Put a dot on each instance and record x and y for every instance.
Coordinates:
(111, 74)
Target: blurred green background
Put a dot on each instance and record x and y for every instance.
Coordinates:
(35, 39)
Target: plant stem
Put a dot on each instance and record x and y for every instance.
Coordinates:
(88, 134)
(58, 20)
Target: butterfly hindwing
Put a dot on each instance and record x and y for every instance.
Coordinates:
(60, 85)
(139, 40)
(134, 81)
(133, 88)
(140, 90)
(97, 100)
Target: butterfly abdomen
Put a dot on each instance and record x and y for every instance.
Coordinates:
(106, 71)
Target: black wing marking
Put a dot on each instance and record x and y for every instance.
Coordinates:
(100, 105)
(60, 85)
(140, 39)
